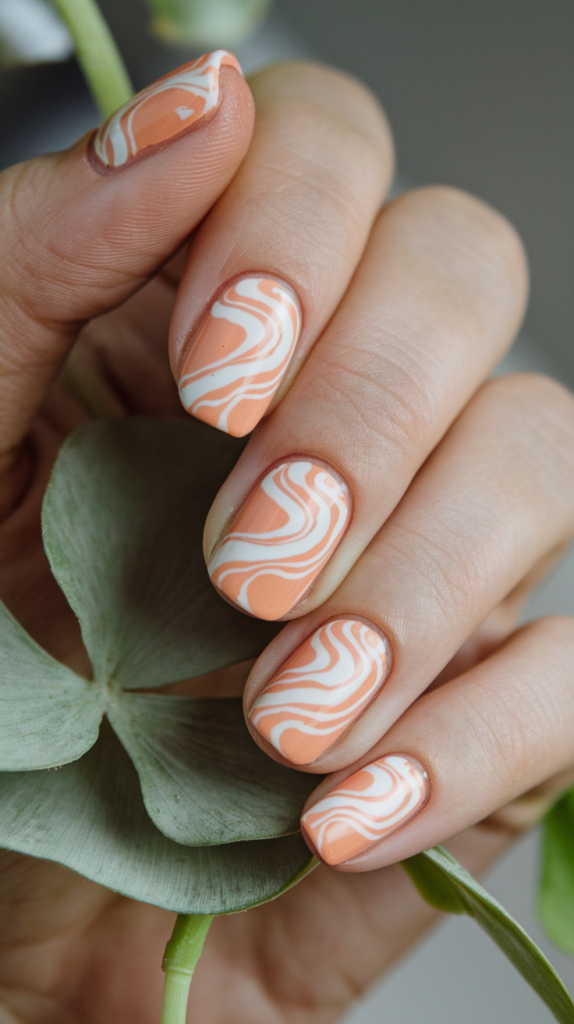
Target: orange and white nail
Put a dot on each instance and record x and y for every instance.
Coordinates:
(370, 805)
(283, 536)
(240, 352)
(322, 689)
(165, 110)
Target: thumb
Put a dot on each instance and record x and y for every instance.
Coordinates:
(82, 230)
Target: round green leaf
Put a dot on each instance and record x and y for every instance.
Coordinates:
(123, 521)
(203, 779)
(48, 714)
(89, 815)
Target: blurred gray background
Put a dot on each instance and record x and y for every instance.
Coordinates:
(480, 94)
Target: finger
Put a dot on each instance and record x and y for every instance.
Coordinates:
(467, 749)
(494, 498)
(274, 257)
(84, 229)
(498, 626)
(435, 301)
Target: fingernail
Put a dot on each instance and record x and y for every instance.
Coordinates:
(165, 110)
(240, 352)
(370, 805)
(283, 536)
(323, 687)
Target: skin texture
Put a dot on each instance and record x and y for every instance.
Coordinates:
(461, 500)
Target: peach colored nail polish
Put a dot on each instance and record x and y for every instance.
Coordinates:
(283, 536)
(371, 804)
(240, 353)
(166, 109)
(323, 687)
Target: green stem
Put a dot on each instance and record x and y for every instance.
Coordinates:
(97, 53)
(181, 955)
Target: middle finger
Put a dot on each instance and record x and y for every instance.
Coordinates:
(435, 302)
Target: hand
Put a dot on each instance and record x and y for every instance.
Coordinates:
(459, 494)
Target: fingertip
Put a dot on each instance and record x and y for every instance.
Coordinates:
(174, 105)
(78, 240)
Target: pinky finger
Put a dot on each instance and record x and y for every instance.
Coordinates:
(455, 757)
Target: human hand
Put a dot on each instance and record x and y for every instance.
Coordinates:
(385, 364)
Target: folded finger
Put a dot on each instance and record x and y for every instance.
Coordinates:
(84, 229)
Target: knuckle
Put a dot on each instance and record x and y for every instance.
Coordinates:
(554, 634)
(514, 721)
(505, 738)
(310, 86)
(447, 573)
(325, 177)
(528, 386)
(475, 247)
(468, 218)
(322, 144)
(539, 413)
(391, 408)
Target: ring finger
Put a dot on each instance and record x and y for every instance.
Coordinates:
(495, 498)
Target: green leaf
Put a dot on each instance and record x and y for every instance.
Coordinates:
(442, 881)
(97, 53)
(209, 23)
(48, 714)
(435, 883)
(89, 815)
(556, 892)
(204, 780)
(123, 521)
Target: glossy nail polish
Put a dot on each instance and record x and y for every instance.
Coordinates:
(239, 353)
(371, 804)
(165, 110)
(324, 686)
(282, 537)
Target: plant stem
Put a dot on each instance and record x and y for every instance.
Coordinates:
(181, 955)
(97, 53)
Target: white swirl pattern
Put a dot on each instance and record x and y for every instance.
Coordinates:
(162, 110)
(235, 367)
(285, 533)
(369, 805)
(324, 686)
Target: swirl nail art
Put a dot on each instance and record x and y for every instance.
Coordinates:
(323, 687)
(240, 354)
(283, 536)
(163, 111)
(371, 804)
